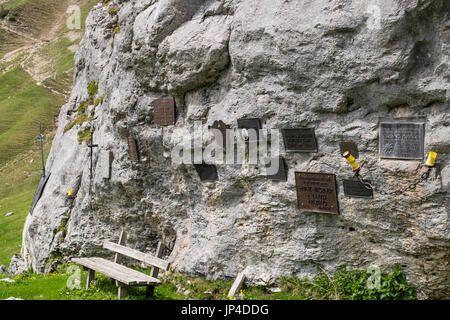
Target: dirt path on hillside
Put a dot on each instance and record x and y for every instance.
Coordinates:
(38, 67)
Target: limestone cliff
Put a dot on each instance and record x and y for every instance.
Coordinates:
(334, 65)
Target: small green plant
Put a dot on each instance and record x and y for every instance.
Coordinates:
(113, 10)
(116, 30)
(84, 135)
(92, 88)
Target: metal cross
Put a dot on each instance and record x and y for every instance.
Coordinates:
(41, 139)
(92, 146)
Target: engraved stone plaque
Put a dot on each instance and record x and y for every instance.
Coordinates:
(317, 192)
(402, 138)
(206, 172)
(299, 140)
(220, 125)
(279, 167)
(350, 146)
(132, 149)
(354, 188)
(164, 111)
(250, 123)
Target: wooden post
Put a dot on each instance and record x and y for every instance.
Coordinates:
(155, 271)
(118, 256)
(90, 277)
(236, 284)
(122, 291)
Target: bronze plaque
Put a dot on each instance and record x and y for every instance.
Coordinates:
(350, 146)
(206, 172)
(299, 140)
(132, 149)
(402, 138)
(278, 172)
(164, 111)
(354, 188)
(250, 123)
(317, 192)
(222, 127)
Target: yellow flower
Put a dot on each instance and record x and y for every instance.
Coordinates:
(231, 298)
(169, 273)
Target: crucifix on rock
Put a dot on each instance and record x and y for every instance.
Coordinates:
(92, 146)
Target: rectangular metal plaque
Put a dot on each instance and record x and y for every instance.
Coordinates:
(222, 127)
(164, 111)
(350, 146)
(317, 192)
(132, 149)
(279, 167)
(206, 172)
(354, 188)
(39, 191)
(106, 161)
(401, 139)
(250, 123)
(299, 140)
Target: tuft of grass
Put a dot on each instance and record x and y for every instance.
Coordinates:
(113, 11)
(84, 136)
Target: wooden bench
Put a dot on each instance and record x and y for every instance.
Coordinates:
(123, 275)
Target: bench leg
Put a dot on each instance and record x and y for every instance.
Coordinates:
(149, 291)
(122, 291)
(90, 277)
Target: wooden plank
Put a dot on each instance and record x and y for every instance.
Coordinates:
(236, 284)
(139, 276)
(122, 241)
(87, 262)
(116, 271)
(155, 270)
(146, 258)
(159, 251)
(118, 256)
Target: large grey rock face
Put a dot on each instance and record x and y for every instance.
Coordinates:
(334, 65)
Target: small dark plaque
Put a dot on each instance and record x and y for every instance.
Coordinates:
(250, 123)
(132, 149)
(220, 125)
(402, 139)
(350, 146)
(281, 170)
(354, 188)
(299, 140)
(317, 192)
(206, 172)
(164, 111)
(39, 191)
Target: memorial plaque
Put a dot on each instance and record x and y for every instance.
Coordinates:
(164, 111)
(39, 191)
(281, 173)
(354, 188)
(220, 125)
(350, 146)
(132, 149)
(250, 123)
(106, 161)
(317, 192)
(402, 138)
(206, 172)
(299, 140)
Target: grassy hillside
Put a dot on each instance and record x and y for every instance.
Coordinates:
(35, 81)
